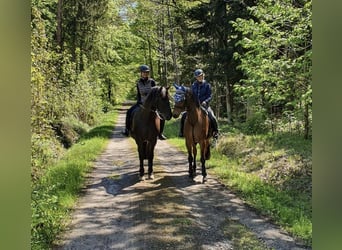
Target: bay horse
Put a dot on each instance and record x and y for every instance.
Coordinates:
(196, 128)
(145, 125)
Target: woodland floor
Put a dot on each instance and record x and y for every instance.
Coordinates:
(117, 211)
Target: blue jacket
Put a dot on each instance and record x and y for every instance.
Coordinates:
(202, 91)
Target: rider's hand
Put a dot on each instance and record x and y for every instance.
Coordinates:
(204, 104)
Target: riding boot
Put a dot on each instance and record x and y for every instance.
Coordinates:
(215, 128)
(181, 134)
(214, 125)
(125, 132)
(161, 136)
(128, 120)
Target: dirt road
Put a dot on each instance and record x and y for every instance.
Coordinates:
(170, 212)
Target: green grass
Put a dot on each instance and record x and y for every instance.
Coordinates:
(57, 191)
(272, 173)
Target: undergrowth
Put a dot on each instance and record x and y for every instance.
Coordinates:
(272, 173)
(55, 193)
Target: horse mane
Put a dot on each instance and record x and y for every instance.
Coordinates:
(152, 95)
(194, 99)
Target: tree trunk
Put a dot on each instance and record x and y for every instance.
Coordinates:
(59, 23)
(306, 121)
(228, 106)
(173, 46)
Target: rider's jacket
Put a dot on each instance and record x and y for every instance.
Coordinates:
(144, 86)
(202, 91)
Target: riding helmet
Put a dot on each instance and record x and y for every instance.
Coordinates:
(144, 68)
(198, 72)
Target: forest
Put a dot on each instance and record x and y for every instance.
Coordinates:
(85, 58)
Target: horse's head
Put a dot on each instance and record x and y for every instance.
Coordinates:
(179, 99)
(162, 102)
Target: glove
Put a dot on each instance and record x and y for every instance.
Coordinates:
(204, 104)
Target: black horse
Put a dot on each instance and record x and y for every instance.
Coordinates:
(145, 126)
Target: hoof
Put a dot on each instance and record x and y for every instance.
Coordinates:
(141, 178)
(150, 176)
(204, 179)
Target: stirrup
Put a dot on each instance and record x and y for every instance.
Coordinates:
(162, 137)
(215, 135)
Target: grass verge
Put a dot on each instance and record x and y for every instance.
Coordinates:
(271, 173)
(53, 196)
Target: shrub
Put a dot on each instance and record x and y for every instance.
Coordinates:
(69, 130)
(256, 124)
(231, 146)
(44, 151)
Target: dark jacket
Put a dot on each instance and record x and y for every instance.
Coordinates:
(144, 87)
(202, 91)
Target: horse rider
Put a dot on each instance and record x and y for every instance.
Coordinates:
(201, 89)
(144, 86)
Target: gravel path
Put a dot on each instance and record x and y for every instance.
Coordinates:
(170, 212)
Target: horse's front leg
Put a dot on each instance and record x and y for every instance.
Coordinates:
(141, 169)
(194, 153)
(204, 170)
(203, 158)
(190, 159)
(150, 164)
(141, 160)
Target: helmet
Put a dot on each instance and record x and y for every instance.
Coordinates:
(144, 68)
(198, 72)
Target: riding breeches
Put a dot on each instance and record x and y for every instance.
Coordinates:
(212, 118)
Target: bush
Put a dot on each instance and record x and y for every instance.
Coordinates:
(255, 124)
(231, 146)
(44, 151)
(69, 130)
(46, 217)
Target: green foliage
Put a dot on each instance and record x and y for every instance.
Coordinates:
(255, 124)
(231, 146)
(69, 130)
(256, 54)
(273, 173)
(276, 55)
(46, 217)
(55, 192)
(44, 151)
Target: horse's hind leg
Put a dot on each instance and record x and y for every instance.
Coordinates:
(191, 172)
(194, 153)
(150, 168)
(204, 170)
(150, 156)
(141, 170)
(204, 154)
